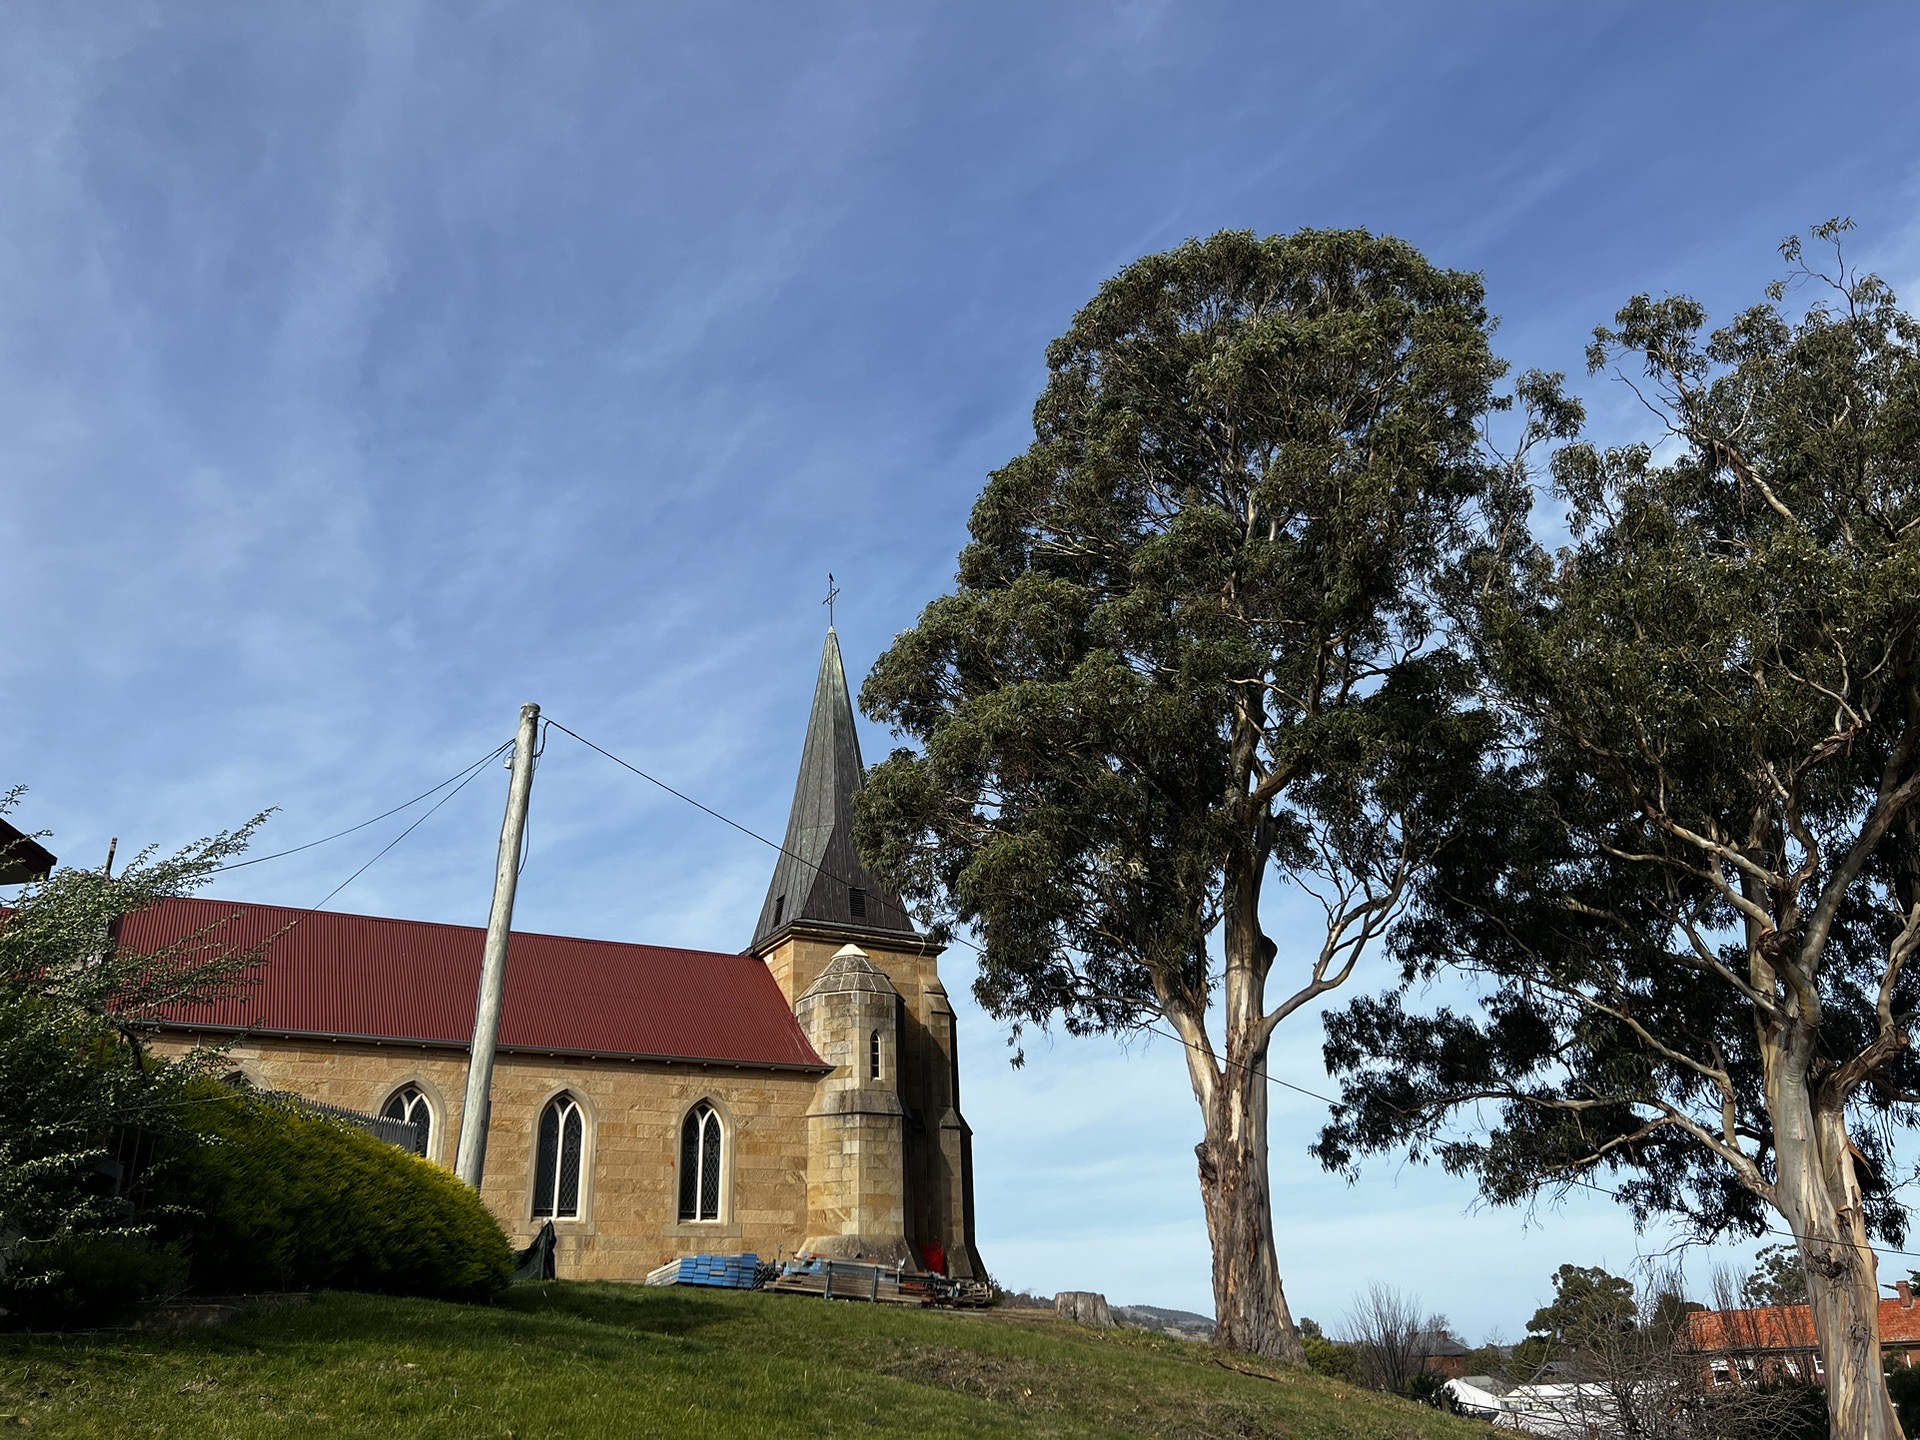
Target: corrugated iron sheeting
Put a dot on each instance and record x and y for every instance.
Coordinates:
(409, 980)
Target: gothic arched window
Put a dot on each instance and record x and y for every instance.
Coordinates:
(700, 1141)
(873, 1056)
(556, 1169)
(409, 1104)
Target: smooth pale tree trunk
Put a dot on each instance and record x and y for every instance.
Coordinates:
(1816, 1191)
(1249, 1303)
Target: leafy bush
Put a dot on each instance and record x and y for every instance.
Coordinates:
(1799, 1411)
(1430, 1389)
(72, 1077)
(1330, 1357)
(274, 1198)
(81, 1280)
(1903, 1385)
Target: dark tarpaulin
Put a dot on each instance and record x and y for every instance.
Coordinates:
(536, 1261)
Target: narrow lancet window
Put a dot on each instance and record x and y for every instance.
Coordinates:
(556, 1170)
(700, 1141)
(407, 1103)
(873, 1056)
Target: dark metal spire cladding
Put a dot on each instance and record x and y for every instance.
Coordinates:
(819, 879)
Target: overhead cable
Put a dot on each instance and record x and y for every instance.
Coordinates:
(1149, 1028)
(460, 775)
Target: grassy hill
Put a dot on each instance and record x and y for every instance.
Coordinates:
(588, 1361)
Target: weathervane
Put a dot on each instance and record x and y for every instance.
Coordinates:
(833, 593)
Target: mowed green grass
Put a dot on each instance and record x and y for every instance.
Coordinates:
(585, 1360)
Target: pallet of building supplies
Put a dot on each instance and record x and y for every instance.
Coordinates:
(724, 1272)
(851, 1280)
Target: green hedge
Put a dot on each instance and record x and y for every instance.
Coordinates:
(274, 1198)
(84, 1280)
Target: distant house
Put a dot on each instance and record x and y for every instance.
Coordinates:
(1440, 1354)
(1777, 1342)
(22, 858)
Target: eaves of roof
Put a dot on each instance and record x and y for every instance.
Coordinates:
(420, 1043)
(896, 940)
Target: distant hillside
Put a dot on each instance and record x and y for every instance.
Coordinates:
(1184, 1323)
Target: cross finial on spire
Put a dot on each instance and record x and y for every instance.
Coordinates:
(833, 594)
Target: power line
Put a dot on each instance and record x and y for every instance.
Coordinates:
(682, 795)
(351, 829)
(960, 939)
(471, 777)
(1271, 1078)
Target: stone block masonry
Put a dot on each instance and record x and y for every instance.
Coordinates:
(628, 1220)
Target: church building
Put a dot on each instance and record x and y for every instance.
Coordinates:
(801, 1096)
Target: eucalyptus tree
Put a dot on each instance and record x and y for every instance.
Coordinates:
(1190, 652)
(1690, 894)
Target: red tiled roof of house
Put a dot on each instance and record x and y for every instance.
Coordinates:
(362, 977)
(1789, 1327)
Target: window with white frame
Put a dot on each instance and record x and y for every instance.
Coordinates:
(557, 1159)
(700, 1144)
(873, 1056)
(408, 1103)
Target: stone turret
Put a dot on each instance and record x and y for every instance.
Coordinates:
(856, 1128)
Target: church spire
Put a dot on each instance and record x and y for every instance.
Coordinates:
(819, 879)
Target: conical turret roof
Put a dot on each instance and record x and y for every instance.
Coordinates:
(851, 969)
(819, 878)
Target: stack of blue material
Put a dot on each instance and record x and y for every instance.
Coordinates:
(729, 1272)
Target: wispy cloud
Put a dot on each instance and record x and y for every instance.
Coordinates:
(367, 370)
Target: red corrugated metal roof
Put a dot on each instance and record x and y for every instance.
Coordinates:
(1789, 1327)
(361, 976)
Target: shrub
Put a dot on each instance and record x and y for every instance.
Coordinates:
(274, 1198)
(1430, 1389)
(1903, 1386)
(1330, 1357)
(81, 1280)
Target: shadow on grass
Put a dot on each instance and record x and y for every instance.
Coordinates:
(645, 1309)
(597, 1322)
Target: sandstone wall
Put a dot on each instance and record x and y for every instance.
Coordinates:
(856, 1171)
(629, 1220)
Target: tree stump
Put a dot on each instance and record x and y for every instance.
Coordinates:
(1085, 1306)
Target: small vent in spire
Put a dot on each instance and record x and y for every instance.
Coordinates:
(857, 904)
(779, 909)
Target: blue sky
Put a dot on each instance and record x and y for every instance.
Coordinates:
(368, 370)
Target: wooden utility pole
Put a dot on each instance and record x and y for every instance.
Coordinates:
(477, 1114)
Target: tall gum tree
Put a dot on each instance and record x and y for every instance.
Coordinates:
(1190, 651)
(1690, 895)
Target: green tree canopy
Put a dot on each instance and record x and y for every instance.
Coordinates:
(1587, 1302)
(1690, 896)
(1192, 648)
(1779, 1277)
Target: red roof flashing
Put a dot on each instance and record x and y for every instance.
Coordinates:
(362, 977)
